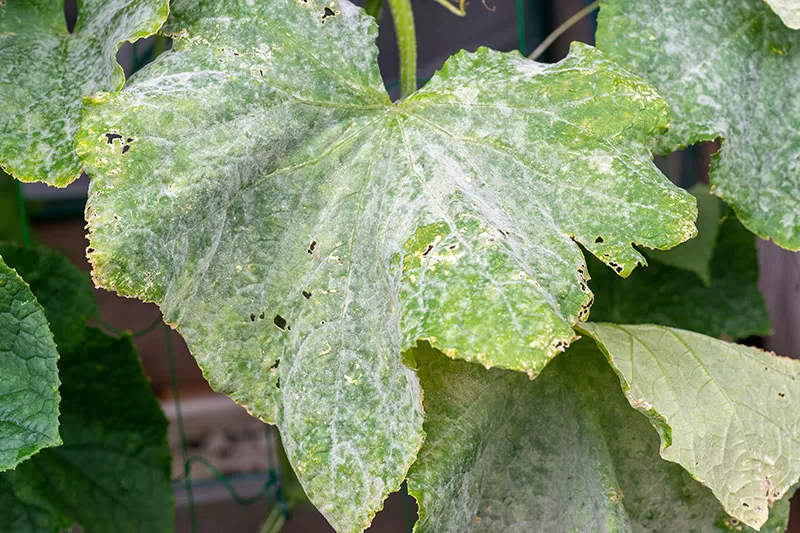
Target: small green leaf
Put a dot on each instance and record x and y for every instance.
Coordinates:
(45, 71)
(113, 471)
(727, 413)
(729, 70)
(560, 454)
(300, 230)
(788, 10)
(63, 291)
(731, 305)
(695, 254)
(29, 380)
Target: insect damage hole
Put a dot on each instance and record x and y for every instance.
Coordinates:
(598, 240)
(306, 295)
(427, 250)
(312, 247)
(281, 323)
(327, 13)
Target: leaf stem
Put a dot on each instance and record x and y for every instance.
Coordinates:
(406, 43)
(373, 8)
(570, 22)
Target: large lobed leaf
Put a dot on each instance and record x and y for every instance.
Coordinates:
(29, 397)
(730, 304)
(728, 69)
(45, 71)
(560, 454)
(300, 230)
(726, 413)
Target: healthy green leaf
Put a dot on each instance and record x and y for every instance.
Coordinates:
(64, 291)
(113, 471)
(726, 413)
(45, 71)
(10, 222)
(788, 10)
(29, 381)
(731, 305)
(560, 454)
(258, 184)
(695, 254)
(728, 69)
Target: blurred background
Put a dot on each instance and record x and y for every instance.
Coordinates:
(232, 482)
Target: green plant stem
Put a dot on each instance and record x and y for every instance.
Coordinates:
(570, 22)
(406, 43)
(23, 216)
(373, 8)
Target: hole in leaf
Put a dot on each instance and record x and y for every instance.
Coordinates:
(311, 247)
(252, 317)
(781, 395)
(70, 14)
(598, 240)
(328, 12)
(306, 295)
(111, 137)
(126, 149)
(281, 323)
(427, 250)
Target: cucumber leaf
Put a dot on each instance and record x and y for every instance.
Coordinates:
(300, 230)
(729, 70)
(113, 471)
(64, 292)
(45, 71)
(29, 396)
(731, 305)
(562, 453)
(726, 413)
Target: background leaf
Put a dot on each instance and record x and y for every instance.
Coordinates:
(562, 453)
(300, 230)
(45, 71)
(695, 255)
(64, 291)
(113, 471)
(727, 413)
(29, 381)
(730, 305)
(728, 69)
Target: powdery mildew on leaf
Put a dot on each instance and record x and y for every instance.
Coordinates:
(728, 69)
(29, 382)
(725, 412)
(730, 304)
(563, 453)
(300, 230)
(45, 71)
(788, 10)
(113, 471)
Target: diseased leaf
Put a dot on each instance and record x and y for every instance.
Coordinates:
(788, 10)
(731, 305)
(728, 69)
(113, 471)
(695, 254)
(45, 71)
(64, 292)
(725, 412)
(563, 453)
(29, 380)
(258, 184)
